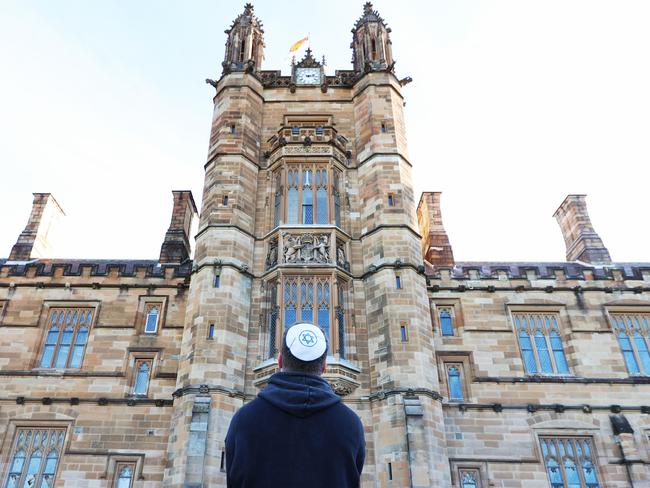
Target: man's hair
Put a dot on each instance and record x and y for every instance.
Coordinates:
(292, 363)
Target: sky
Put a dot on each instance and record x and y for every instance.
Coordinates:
(513, 105)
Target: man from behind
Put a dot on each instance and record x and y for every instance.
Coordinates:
(297, 432)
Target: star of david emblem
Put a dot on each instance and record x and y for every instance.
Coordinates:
(308, 338)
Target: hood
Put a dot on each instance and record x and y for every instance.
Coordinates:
(298, 394)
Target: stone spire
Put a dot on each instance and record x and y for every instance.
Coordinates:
(582, 241)
(245, 44)
(436, 248)
(371, 46)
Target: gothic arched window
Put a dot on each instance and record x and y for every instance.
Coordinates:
(454, 380)
(152, 317)
(469, 478)
(142, 376)
(540, 343)
(124, 477)
(569, 462)
(633, 333)
(317, 299)
(445, 315)
(308, 188)
(66, 338)
(35, 457)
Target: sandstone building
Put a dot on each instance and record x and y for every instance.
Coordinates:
(125, 373)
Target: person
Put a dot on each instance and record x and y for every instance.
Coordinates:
(297, 432)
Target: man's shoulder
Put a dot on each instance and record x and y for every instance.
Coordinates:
(251, 408)
(345, 412)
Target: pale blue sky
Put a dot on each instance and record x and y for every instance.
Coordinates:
(514, 104)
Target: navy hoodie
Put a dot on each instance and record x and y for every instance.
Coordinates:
(296, 433)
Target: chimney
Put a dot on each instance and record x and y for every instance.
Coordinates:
(582, 241)
(176, 246)
(436, 248)
(34, 241)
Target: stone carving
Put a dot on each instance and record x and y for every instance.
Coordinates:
(272, 254)
(340, 256)
(306, 248)
(273, 79)
(341, 387)
(308, 61)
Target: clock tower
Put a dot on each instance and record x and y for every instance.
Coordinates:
(308, 72)
(308, 214)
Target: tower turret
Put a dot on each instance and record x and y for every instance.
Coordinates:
(371, 46)
(245, 44)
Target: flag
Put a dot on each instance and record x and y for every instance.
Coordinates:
(298, 44)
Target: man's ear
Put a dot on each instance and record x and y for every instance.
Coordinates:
(324, 365)
(280, 360)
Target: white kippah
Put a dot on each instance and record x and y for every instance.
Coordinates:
(306, 341)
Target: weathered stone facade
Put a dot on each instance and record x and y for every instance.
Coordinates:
(464, 374)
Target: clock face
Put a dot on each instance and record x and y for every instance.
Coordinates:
(307, 76)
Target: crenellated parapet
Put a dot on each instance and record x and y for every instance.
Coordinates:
(561, 271)
(90, 268)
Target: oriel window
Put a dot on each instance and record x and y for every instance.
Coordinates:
(307, 195)
(307, 299)
(317, 299)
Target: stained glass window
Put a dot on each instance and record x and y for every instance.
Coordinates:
(35, 457)
(540, 343)
(569, 462)
(633, 333)
(66, 337)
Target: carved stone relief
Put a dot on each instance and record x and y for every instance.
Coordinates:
(272, 254)
(340, 255)
(306, 248)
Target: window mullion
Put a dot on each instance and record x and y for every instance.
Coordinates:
(41, 468)
(314, 196)
(551, 352)
(72, 342)
(284, 195)
(647, 345)
(59, 338)
(635, 351)
(300, 188)
(531, 334)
